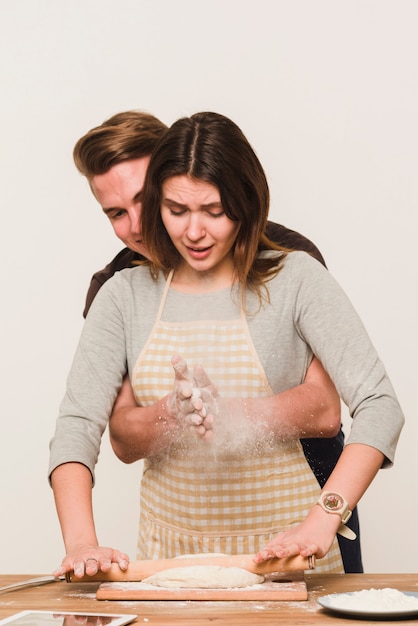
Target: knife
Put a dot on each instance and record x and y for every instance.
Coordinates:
(32, 582)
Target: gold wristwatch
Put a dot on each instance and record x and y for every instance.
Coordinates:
(336, 504)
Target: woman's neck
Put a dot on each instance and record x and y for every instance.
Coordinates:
(187, 280)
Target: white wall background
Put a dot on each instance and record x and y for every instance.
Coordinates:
(326, 91)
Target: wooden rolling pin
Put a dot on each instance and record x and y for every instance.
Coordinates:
(138, 570)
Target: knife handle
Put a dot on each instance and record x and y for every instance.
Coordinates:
(138, 570)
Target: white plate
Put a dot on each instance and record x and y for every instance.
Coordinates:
(330, 602)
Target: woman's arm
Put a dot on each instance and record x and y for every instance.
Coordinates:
(72, 487)
(354, 472)
(93, 383)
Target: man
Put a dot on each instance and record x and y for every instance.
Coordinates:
(114, 158)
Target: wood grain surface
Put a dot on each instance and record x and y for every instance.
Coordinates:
(77, 597)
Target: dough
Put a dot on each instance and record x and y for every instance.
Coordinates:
(204, 577)
(201, 555)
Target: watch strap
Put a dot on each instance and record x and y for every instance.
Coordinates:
(346, 532)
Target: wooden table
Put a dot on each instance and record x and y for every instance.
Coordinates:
(62, 596)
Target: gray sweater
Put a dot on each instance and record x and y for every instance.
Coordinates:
(308, 314)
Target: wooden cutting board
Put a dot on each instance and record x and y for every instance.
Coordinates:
(277, 587)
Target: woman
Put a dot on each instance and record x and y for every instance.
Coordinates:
(221, 473)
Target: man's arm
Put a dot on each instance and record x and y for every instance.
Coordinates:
(312, 409)
(293, 240)
(124, 259)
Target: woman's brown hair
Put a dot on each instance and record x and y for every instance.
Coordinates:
(210, 147)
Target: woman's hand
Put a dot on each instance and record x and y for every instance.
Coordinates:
(209, 396)
(194, 398)
(86, 559)
(137, 432)
(313, 536)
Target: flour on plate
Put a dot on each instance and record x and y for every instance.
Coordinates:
(378, 600)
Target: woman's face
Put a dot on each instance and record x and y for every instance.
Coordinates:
(193, 216)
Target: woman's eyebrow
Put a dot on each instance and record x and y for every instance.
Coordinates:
(210, 205)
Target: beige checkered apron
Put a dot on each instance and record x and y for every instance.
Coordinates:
(201, 497)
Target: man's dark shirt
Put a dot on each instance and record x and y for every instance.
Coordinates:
(321, 454)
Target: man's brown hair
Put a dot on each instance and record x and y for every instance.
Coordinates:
(123, 137)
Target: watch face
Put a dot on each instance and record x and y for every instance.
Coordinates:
(333, 502)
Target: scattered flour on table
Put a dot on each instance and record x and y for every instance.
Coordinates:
(379, 600)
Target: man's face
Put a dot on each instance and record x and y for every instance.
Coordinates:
(119, 192)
